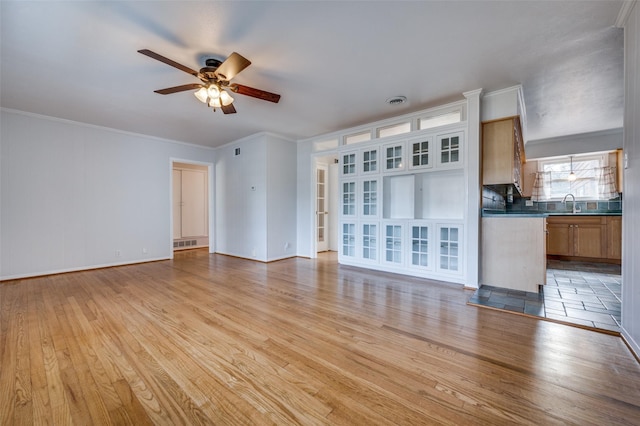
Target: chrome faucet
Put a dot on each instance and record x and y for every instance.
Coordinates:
(564, 201)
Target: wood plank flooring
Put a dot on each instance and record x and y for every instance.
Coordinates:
(208, 339)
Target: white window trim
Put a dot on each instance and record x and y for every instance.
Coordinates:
(602, 158)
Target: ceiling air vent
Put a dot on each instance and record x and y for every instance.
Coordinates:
(397, 100)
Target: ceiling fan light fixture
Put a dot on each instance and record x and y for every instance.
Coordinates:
(225, 98)
(213, 91)
(202, 94)
(214, 87)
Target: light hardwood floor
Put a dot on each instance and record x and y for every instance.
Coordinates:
(209, 339)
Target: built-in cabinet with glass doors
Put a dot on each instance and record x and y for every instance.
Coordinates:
(403, 203)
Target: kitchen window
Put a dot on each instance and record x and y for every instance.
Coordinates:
(592, 177)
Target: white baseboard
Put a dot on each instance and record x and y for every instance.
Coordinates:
(77, 269)
(631, 343)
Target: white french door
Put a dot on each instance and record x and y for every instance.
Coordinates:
(322, 208)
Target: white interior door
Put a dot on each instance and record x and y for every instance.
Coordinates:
(194, 203)
(322, 208)
(177, 204)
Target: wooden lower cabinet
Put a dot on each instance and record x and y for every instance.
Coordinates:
(614, 237)
(560, 238)
(589, 240)
(593, 237)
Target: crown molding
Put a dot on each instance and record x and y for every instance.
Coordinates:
(103, 128)
(625, 11)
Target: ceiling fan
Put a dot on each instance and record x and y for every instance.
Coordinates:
(215, 77)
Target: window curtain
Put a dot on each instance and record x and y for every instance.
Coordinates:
(539, 184)
(607, 183)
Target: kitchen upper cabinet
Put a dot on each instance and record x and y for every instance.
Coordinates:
(502, 152)
(529, 170)
(594, 237)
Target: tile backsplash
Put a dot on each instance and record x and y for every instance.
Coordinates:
(519, 206)
(493, 201)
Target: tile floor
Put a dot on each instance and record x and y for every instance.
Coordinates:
(581, 293)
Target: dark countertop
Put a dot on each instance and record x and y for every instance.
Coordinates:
(497, 213)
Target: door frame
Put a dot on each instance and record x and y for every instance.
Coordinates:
(210, 201)
(315, 159)
(327, 205)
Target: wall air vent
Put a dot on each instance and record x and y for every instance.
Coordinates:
(185, 243)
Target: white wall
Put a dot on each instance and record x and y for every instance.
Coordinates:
(73, 194)
(241, 199)
(255, 198)
(281, 201)
(502, 103)
(608, 140)
(631, 216)
(304, 199)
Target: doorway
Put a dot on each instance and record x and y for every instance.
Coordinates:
(322, 208)
(190, 205)
(325, 181)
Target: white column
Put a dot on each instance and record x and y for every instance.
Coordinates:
(473, 190)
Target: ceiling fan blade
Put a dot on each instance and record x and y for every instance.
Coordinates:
(229, 109)
(255, 93)
(168, 61)
(232, 66)
(177, 89)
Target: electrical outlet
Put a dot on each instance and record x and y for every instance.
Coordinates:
(118, 253)
(145, 251)
(528, 203)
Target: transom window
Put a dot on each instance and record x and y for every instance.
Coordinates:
(394, 129)
(440, 120)
(357, 137)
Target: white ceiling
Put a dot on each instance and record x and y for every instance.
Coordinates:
(334, 63)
